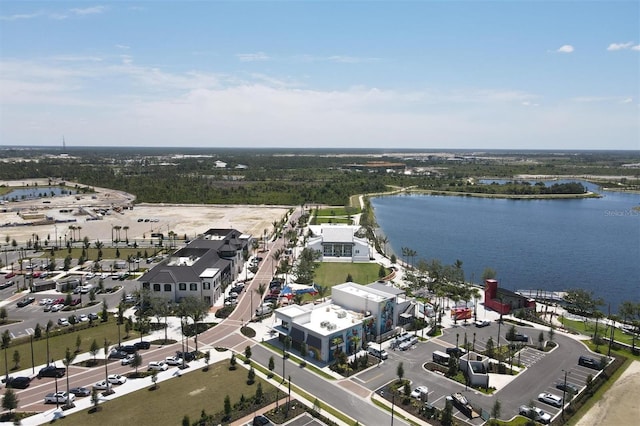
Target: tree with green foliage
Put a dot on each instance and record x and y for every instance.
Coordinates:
(400, 372)
(232, 362)
(495, 410)
(272, 365)
(6, 341)
(251, 376)
(10, 400)
(16, 359)
(67, 361)
(247, 354)
(3, 314)
(382, 272)
(259, 394)
(446, 417)
(227, 407)
(94, 349)
(489, 274)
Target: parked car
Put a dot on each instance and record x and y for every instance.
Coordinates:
(63, 322)
(20, 382)
(59, 398)
(518, 337)
(187, 356)
(568, 387)
(83, 318)
(52, 371)
(26, 301)
(158, 366)
(143, 344)
(47, 308)
(129, 349)
(80, 391)
(261, 421)
(586, 361)
(57, 307)
(419, 391)
(93, 316)
(46, 301)
(551, 399)
(102, 385)
(482, 323)
(382, 354)
(534, 413)
(117, 379)
(456, 351)
(115, 354)
(127, 360)
(173, 360)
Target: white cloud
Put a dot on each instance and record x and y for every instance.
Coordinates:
(567, 48)
(17, 17)
(252, 57)
(623, 46)
(345, 59)
(95, 10)
(122, 46)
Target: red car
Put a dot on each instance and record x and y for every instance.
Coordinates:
(10, 275)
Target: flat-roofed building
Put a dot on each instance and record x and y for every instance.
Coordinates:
(339, 243)
(355, 314)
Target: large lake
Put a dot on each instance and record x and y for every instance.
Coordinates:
(532, 244)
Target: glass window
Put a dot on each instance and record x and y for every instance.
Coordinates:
(156, 287)
(206, 286)
(193, 286)
(167, 287)
(182, 286)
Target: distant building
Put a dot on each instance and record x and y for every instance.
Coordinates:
(201, 269)
(504, 301)
(220, 164)
(355, 314)
(338, 243)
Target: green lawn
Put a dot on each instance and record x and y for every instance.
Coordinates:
(58, 343)
(323, 219)
(330, 274)
(589, 328)
(188, 395)
(338, 211)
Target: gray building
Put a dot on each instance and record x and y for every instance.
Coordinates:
(202, 269)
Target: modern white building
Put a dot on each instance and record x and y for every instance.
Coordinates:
(355, 314)
(338, 243)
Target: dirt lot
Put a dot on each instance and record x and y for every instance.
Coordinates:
(619, 405)
(140, 221)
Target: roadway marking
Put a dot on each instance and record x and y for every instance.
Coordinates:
(367, 381)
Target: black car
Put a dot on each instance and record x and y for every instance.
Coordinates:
(128, 349)
(261, 421)
(187, 356)
(52, 371)
(457, 352)
(518, 337)
(585, 361)
(26, 301)
(80, 391)
(142, 345)
(20, 382)
(6, 285)
(568, 387)
(115, 354)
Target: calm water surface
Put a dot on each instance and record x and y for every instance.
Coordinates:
(532, 244)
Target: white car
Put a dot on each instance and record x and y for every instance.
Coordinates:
(117, 379)
(63, 322)
(102, 385)
(173, 360)
(482, 323)
(535, 413)
(551, 399)
(419, 391)
(57, 307)
(46, 302)
(127, 360)
(158, 366)
(83, 318)
(89, 275)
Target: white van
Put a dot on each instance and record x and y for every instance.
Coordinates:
(264, 310)
(382, 354)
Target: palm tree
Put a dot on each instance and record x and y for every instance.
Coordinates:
(6, 340)
(126, 233)
(78, 227)
(47, 330)
(68, 359)
(106, 363)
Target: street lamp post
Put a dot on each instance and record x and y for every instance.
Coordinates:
(564, 390)
(33, 364)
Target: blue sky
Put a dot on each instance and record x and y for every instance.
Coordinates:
(366, 74)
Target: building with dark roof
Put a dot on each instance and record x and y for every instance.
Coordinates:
(202, 269)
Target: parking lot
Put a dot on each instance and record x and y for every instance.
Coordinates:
(541, 371)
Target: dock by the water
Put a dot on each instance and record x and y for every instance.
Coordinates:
(555, 296)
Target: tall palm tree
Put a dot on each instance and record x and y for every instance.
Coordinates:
(106, 363)
(47, 331)
(68, 359)
(126, 233)
(6, 340)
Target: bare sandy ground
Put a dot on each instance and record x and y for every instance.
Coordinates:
(136, 224)
(619, 405)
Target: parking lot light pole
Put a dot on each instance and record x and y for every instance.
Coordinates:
(564, 390)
